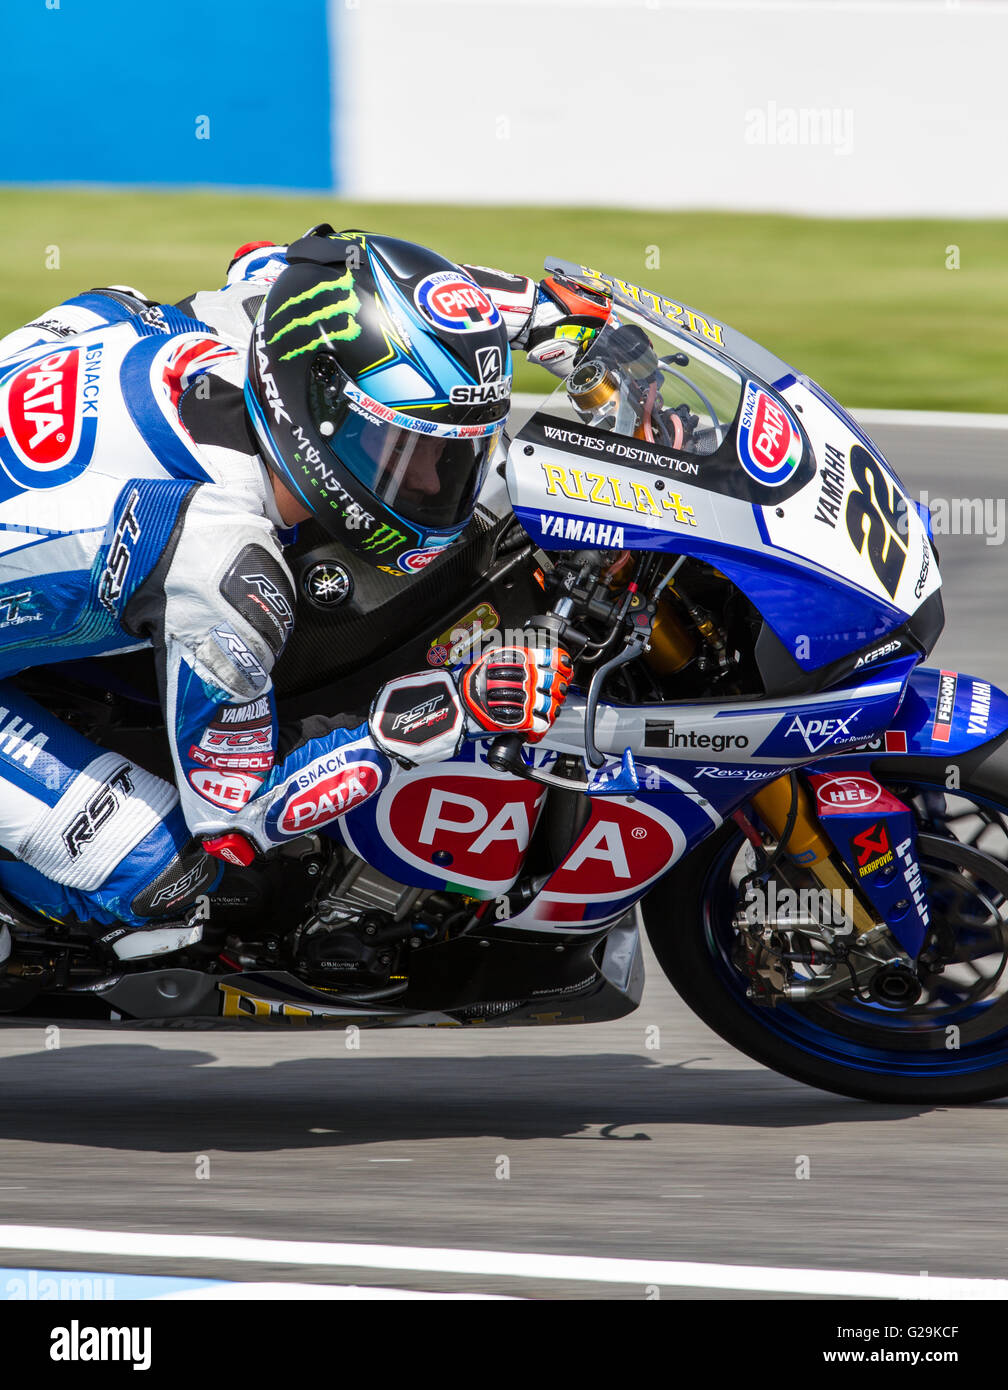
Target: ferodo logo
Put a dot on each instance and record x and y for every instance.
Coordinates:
(450, 301)
(620, 849)
(849, 790)
(48, 417)
(328, 798)
(469, 829)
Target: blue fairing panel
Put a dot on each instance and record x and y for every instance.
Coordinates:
(943, 714)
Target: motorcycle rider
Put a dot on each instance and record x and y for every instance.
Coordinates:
(151, 467)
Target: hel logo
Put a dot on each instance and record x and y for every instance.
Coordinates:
(450, 301)
(48, 417)
(769, 444)
(942, 728)
(847, 791)
(872, 849)
(479, 827)
(612, 857)
(329, 798)
(230, 789)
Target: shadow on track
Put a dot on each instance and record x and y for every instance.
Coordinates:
(144, 1098)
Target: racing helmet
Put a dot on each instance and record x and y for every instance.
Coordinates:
(379, 380)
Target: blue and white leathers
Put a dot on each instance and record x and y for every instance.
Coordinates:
(126, 522)
(135, 511)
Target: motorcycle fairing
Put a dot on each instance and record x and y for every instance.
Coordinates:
(876, 836)
(830, 549)
(943, 713)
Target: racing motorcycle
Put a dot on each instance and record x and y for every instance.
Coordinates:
(753, 762)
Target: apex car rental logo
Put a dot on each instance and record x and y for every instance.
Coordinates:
(817, 733)
(450, 301)
(769, 444)
(328, 798)
(48, 417)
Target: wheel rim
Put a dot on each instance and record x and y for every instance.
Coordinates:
(960, 1024)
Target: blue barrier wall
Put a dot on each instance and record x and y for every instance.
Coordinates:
(111, 91)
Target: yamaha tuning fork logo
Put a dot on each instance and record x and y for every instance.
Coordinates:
(327, 585)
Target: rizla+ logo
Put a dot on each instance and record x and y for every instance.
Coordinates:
(345, 306)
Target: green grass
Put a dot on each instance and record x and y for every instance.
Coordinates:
(866, 307)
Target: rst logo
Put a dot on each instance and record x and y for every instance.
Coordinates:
(328, 798)
(48, 416)
(467, 829)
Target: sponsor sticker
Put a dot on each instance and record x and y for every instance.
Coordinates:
(329, 798)
(451, 301)
(49, 417)
(453, 644)
(228, 789)
(941, 730)
(848, 790)
(979, 710)
(769, 442)
(415, 560)
(872, 849)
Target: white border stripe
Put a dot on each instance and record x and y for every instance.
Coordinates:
(915, 419)
(518, 1265)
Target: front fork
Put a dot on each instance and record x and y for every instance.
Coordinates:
(858, 842)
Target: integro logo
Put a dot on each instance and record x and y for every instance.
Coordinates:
(450, 301)
(48, 417)
(769, 444)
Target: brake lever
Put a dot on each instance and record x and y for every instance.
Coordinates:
(635, 644)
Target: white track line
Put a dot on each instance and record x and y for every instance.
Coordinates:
(309, 1293)
(917, 419)
(528, 1265)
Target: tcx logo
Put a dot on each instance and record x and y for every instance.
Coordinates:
(818, 732)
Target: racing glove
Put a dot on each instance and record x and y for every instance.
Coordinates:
(517, 690)
(511, 690)
(562, 325)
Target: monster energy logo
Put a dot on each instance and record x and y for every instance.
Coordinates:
(383, 540)
(348, 306)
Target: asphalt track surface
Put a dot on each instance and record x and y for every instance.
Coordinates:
(686, 1151)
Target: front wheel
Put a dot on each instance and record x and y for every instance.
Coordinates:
(951, 1045)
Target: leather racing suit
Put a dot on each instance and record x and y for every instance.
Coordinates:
(136, 511)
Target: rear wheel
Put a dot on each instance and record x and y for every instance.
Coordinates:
(951, 1045)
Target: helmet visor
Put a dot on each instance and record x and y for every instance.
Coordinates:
(428, 475)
